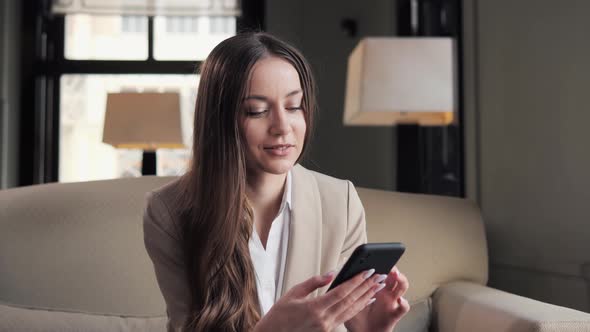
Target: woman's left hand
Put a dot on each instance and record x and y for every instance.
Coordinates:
(389, 307)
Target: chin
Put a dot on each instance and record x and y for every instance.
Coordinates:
(278, 168)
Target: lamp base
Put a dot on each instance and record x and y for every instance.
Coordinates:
(428, 160)
(409, 159)
(148, 163)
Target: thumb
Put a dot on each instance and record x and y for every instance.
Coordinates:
(305, 288)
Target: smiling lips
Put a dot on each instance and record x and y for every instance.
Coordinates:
(279, 149)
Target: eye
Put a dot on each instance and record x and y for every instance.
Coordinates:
(255, 114)
(294, 108)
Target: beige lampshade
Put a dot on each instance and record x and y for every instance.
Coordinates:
(400, 80)
(146, 121)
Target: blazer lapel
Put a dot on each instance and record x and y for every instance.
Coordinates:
(305, 231)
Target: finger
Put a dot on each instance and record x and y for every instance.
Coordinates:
(346, 288)
(402, 308)
(305, 288)
(391, 280)
(359, 296)
(401, 286)
(359, 305)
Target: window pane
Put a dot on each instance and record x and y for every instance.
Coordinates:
(84, 157)
(190, 38)
(94, 37)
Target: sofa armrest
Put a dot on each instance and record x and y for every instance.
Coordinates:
(465, 306)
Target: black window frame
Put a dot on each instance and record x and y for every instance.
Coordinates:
(43, 63)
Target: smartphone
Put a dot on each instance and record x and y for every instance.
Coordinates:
(379, 256)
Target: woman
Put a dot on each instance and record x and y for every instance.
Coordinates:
(246, 235)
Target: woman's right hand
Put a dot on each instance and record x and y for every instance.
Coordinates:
(294, 311)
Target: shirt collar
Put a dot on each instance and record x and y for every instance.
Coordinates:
(286, 201)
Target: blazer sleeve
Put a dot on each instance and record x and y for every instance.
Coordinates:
(356, 228)
(163, 247)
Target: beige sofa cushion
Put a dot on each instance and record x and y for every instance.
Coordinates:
(444, 237)
(16, 319)
(78, 247)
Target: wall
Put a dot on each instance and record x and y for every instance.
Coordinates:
(9, 95)
(528, 62)
(364, 155)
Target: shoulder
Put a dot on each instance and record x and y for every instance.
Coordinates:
(321, 179)
(342, 213)
(160, 208)
(330, 188)
(166, 193)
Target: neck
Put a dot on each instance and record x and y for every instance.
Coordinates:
(265, 190)
(265, 193)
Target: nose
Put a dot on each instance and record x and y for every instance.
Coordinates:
(280, 122)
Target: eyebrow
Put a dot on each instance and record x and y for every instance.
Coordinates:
(263, 98)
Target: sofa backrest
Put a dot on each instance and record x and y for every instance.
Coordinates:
(79, 246)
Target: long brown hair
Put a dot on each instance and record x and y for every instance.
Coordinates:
(216, 220)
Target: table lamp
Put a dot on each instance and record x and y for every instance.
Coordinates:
(146, 121)
(407, 82)
(400, 80)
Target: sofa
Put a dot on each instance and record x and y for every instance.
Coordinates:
(72, 258)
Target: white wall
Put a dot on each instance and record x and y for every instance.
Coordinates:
(529, 60)
(9, 95)
(364, 155)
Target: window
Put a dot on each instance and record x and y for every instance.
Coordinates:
(187, 38)
(220, 25)
(134, 24)
(180, 24)
(72, 60)
(106, 37)
(83, 156)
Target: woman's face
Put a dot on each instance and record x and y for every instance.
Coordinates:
(272, 120)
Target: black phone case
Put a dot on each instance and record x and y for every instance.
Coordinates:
(379, 256)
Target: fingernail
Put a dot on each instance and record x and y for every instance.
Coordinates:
(380, 278)
(329, 274)
(368, 273)
(371, 301)
(380, 287)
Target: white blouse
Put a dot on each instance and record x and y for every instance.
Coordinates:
(269, 264)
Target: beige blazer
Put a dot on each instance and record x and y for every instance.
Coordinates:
(327, 224)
